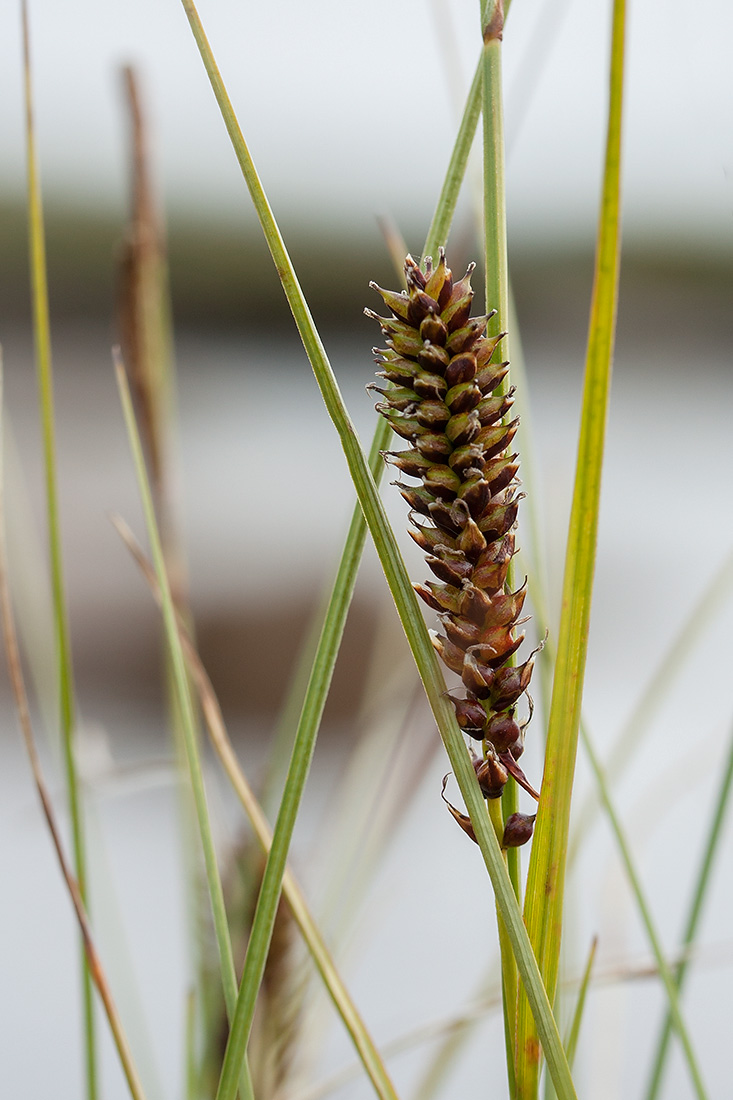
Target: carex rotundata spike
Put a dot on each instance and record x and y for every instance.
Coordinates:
(443, 395)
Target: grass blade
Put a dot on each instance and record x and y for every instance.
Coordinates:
(65, 682)
(645, 914)
(668, 672)
(221, 928)
(12, 652)
(571, 1042)
(696, 905)
(420, 644)
(545, 883)
(444, 211)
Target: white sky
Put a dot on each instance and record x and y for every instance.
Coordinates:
(348, 109)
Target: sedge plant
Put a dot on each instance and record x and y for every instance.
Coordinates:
(447, 390)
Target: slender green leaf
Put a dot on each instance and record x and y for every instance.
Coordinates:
(545, 883)
(445, 209)
(699, 894)
(645, 913)
(571, 1041)
(65, 682)
(668, 672)
(216, 895)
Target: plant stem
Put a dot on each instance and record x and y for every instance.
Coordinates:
(495, 243)
(497, 297)
(65, 682)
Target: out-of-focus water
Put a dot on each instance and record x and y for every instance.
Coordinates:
(261, 461)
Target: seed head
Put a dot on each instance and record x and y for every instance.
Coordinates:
(443, 395)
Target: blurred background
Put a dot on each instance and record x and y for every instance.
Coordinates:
(350, 114)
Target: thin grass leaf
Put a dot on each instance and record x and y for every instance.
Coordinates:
(445, 209)
(296, 900)
(420, 644)
(65, 681)
(571, 1038)
(571, 1041)
(633, 875)
(668, 672)
(287, 720)
(12, 653)
(699, 894)
(221, 928)
(545, 883)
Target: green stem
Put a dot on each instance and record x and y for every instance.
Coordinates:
(42, 338)
(495, 243)
(497, 297)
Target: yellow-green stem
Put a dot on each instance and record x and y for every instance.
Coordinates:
(546, 877)
(42, 339)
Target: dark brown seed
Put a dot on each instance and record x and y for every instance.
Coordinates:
(470, 715)
(492, 776)
(460, 369)
(518, 829)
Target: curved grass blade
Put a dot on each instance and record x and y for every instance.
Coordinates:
(221, 928)
(420, 644)
(220, 740)
(668, 672)
(65, 688)
(571, 1039)
(571, 1042)
(545, 883)
(696, 905)
(12, 652)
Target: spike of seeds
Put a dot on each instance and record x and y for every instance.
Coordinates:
(441, 396)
